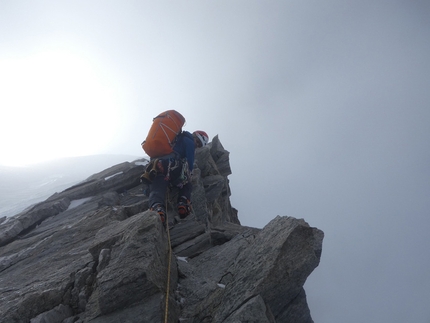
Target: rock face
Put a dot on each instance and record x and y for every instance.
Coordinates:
(95, 253)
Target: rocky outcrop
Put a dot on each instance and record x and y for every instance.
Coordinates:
(95, 253)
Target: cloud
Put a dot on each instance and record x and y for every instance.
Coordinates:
(323, 106)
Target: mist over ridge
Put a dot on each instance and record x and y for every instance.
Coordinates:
(20, 187)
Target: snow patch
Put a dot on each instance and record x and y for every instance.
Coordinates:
(76, 203)
(141, 163)
(182, 259)
(106, 178)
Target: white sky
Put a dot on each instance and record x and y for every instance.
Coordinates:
(324, 106)
(54, 104)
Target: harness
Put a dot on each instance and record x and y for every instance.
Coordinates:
(177, 173)
(184, 175)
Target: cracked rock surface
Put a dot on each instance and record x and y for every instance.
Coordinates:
(95, 253)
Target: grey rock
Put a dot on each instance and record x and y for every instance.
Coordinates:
(57, 314)
(16, 225)
(95, 253)
(253, 311)
(220, 156)
(213, 185)
(136, 272)
(104, 258)
(275, 266)
(117, 179)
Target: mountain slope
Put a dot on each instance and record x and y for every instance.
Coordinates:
(95, 253)
(21, 187)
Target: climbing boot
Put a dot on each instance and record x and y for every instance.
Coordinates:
(161, 212)
(184, 207)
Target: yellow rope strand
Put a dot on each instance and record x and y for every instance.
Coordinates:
(166, 314)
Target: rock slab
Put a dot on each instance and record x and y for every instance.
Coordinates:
(95, 253)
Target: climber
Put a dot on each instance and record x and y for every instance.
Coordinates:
(175, 169)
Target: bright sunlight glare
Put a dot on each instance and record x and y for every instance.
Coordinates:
(54, 104)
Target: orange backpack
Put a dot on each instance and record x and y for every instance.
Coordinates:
(161, 136)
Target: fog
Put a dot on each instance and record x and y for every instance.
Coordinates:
(324, 107)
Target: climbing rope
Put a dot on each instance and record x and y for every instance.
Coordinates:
(166, 313)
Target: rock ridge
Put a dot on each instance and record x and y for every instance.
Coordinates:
(95, 253)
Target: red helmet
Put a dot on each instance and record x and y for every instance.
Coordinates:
(202, 137)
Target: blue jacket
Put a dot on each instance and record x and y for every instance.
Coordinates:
(184, 146)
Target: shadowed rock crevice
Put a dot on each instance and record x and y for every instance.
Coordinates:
(95, 253)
